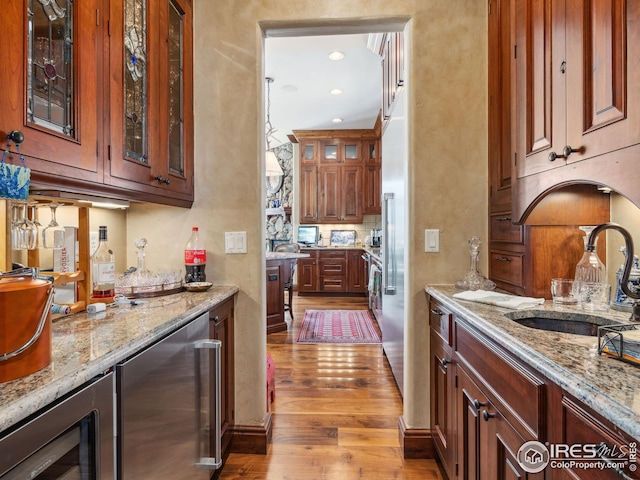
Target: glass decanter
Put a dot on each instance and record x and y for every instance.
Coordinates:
(590, 268)
(474, 280)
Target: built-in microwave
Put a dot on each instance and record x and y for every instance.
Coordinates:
(71, 439)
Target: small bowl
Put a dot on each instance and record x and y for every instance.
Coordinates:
(197, 286)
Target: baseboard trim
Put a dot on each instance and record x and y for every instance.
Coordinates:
(415, 443)
(251, 438)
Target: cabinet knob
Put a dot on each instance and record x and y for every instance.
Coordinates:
(477, 404)
(16, 136)
(160, 178)
(566, 151)
(444, 362)
(486, 415)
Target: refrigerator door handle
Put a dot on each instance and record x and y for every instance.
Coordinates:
(215, 462)
(389, 245)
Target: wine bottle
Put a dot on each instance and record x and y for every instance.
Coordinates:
(103, 270)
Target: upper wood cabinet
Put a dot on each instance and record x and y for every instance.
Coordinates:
(151, 97)
(105, 105)
(339, 175)
(501, 105)
(392, 52)
(578, 118)
(51, 88)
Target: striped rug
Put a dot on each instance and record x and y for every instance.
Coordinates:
(338, 326)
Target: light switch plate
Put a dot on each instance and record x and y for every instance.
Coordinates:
(235, 242)
(432, 240)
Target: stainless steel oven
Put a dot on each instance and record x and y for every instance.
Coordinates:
(71, 439)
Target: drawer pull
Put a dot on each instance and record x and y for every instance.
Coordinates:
(273, 277)
(486, 415)
(604, 448)
(477, 404)
(435, 311)
(503, 259)
(444, 362)
(503, 219)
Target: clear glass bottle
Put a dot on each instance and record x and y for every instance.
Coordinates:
(590, 268)
(195, 258)
(103, 270)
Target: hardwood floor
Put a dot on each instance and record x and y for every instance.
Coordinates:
(335, 415)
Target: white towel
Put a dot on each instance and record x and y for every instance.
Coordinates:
(499, 299)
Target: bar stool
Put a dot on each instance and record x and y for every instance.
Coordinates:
(288, 285)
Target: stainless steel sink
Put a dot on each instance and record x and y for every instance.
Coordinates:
(565, 322)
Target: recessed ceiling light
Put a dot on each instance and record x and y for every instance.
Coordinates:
(336, 91)
(336, 55)
(337, 120)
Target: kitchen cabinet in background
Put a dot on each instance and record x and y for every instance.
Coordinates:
(332, 270)
(340, 177)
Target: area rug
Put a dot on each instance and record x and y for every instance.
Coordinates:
(338, 326)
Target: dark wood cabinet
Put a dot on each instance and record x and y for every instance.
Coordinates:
(332, 271)
(524, 258)
(65, 89)
(278, 273)
(308, 193)
(576, 90)
(443, 386)
(221, 327)
(340, 175)
(151, 117)
(357, 273)
(392, 52)
(59, 107)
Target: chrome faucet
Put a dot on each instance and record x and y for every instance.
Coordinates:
(628, 264)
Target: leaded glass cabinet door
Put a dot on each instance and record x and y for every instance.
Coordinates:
(151, 99)
(51, 75)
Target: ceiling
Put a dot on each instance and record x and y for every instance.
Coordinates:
(303, 75)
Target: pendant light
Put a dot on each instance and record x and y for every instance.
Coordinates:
(272, 166)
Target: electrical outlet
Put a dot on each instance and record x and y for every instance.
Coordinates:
(93, 242)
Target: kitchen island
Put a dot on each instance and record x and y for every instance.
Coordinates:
(516, 384)
(87, 345)
(280, 267)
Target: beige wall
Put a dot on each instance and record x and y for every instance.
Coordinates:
(447, 151)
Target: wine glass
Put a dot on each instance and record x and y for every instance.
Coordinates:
(17, 239)
(53, 234)
(33, 216)
(29, 230)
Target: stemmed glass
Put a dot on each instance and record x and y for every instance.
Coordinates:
(29, 230)
(33, 207)
(53, 234)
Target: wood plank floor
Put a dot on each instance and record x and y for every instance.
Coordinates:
(336, 411)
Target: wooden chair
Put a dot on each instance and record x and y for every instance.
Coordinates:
(289, 248)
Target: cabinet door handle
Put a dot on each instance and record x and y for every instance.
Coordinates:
(566, 151)
(487, 416)
(477, 404)
(435, 311)
(503, 259)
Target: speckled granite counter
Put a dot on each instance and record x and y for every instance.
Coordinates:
(609, 386)
(86, 345)
(285, 255)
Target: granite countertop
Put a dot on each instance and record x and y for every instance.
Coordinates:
(85, 345)
(607, 385)
(285, 255)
